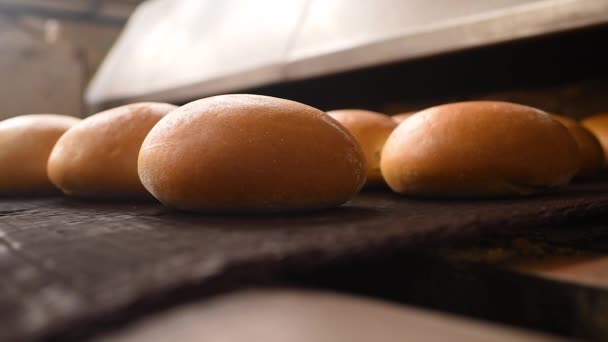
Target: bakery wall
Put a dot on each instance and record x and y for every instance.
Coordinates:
(49, 49)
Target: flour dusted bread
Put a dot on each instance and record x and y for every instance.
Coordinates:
(592, 154)
(598, 125)
(97, 158)
(250, 153)
(25, 144)
(371, 130)
(479, 149)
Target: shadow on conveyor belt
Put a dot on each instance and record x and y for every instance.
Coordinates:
(428, 277)
(482, 290)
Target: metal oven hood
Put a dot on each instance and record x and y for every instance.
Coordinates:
(177, 49)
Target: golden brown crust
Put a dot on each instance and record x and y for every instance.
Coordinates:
(25, 144)
(479, 149)
(371, 129)
(598, 125)
(98, 157)
(250, 153)
(592, 154)
(399, 118)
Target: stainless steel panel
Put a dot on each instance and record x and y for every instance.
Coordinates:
(212, 45)
(179, 49)
(462, 24)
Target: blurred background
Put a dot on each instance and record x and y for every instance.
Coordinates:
(77, 57)
(49, 50)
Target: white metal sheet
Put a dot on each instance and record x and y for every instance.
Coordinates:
(169, 44)
(173, 50)
(433, 29)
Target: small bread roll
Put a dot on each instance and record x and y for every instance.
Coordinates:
(250, 153)
(25, 144)
(479, 149)
(371, 130)
(592, 154)
(399, 118)
(97, 158)
(598, 125)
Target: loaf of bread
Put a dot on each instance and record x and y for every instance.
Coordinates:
(371, 130)
(598, 125)
(97, 158)
(25, 144)
(592, 154)
(250, 153)
(479, 149)
(399, 118)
